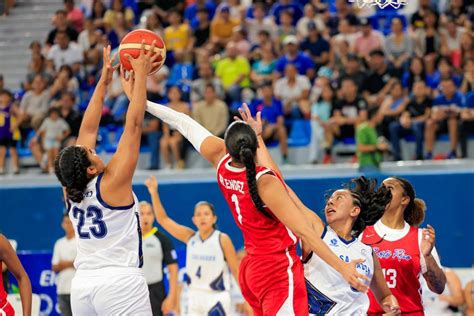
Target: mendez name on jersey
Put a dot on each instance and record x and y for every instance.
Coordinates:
(107, 236)
(206, 267)
(328, 292)
(234, 185)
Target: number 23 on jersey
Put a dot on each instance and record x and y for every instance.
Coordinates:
(98, 229)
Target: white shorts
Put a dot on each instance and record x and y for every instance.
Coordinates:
(116, 291)
(207, 303)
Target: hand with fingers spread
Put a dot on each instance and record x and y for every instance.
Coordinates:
(255, 123)
(146, 61)
(354, 278)
(428, 241)
(108, 67)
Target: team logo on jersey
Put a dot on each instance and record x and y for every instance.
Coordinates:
(333, 242)
(399, 254)
(88, 194)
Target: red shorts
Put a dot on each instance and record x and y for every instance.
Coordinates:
(274, 284)
(6, 309)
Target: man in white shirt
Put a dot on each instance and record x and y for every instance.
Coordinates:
(63, 264)
(65, 53)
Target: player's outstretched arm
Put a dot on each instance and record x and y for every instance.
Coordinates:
(276, 198)
(90, 123)
(382, 293)
(178, 231)
(8, 255)
(434, 275)
(230, 255)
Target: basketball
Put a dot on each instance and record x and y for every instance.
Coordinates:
(131, 44)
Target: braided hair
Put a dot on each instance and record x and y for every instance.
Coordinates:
(70, 167)
(241, 143)
(370, 200)
(414, 213)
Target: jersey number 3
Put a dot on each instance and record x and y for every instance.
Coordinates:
(98, 228)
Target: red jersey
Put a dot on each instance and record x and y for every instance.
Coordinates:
(401, 260)
(263, 233)
(3, 294)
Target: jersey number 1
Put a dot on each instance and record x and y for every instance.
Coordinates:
(99, 230)
(237, 207)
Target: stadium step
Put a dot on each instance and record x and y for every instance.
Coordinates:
(29, 20)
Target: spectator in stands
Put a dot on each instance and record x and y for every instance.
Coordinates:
(262, 69)
(320, 114)
(202, 30)
(234, 71)
(286, 27)
(171, 141)
(37, 67)
(181, 74)
(211, 112)
(468, 79)
(451, 41)
(153, 23)
(412, 120)
(74, 15)
(64, 253)
(293, 7)
(316, 46)
(352, 69)
(98, 13)
(457, 12)
(466, 125)
(222, 26)
(445, 71)
(392, 106)
(444, 118)
(35, 48)
(343, 12)
(303, 63)
(72, 117)
(152, 132)
(177, 34)
(416, 72)
(110, 16)
(398, 46)
(376, 84)
(367, 41)
(206, 77)
(65, 52)
(348, 111)
(260, 22)
(418, 18)
(118, 32)
(293, 91)
(53, 131)
(190, 14)
(239, 38)
(237, 9)
(427, 39)
(89, 38)
(9, 133)
(370, 147)
(345, 33)
(273, 119)
(61, 24)
(116, 101)
(309, 17)
(339, 55)
(34, 104)
(156, 84)
(467, 46)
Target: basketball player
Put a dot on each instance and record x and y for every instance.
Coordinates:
(103, 207)
(271, 277)
(209, 255)
(9, 257)
(404, 250)
(347, 212)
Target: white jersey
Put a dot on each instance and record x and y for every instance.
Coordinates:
(107, 236)
(328, 292)
(206, 267)
(431, 302)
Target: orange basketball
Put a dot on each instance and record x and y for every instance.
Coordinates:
(131, 44)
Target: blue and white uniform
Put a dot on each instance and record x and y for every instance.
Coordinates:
(108, 279)
(328, 292)
(208, 277)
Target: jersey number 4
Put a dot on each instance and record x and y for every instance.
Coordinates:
(97, 229)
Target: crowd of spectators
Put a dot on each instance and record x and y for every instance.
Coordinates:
(369, 75)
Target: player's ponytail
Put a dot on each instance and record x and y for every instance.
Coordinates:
(241, 143)
(414, 213)
(70, 167)
(372, 202)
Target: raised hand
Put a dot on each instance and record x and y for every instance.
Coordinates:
(353, 277)
(428, 241)
(127, 80)
(246, 115)
(151, 184)
(145, 61)
(108, 67)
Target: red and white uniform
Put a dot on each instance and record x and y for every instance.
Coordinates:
(271, 275)
(5, 308)
(399, 253)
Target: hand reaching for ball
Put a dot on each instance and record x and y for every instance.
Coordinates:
(146, 60)
(107, 67)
